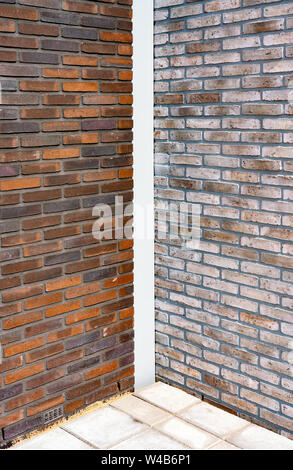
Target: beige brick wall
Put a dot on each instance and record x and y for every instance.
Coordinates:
(223, 130)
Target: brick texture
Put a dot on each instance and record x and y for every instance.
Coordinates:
(223, 129)
(66, 313)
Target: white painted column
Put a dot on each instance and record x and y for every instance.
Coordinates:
(143, 19)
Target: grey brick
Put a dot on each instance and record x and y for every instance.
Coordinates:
(60, 17)
(60, 206)
(117, 352)
(8, 85)
(22, 427)
(103, 23)
(11, 391)
(94, 124)
(8, 114)
(40, 140)
(100, 345)
(62, 258)
(81, 366)
(103, 199)
(9, 170)
(16, 212)
(9, 226)
(79, 33)
(82, 339)
(52, 4)
(20, 70)
(116, 161)
(19, 127)
(8, 255)
(43, 275)
(65, 383)
(100, 274)
(81, 165)
(98, 151)
(58, 45)
(39, 58)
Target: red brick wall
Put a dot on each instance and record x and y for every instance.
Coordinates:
(224, 141)
(66, 312)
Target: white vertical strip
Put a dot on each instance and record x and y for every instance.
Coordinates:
(143, 78)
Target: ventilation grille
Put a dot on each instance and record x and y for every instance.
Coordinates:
(53, 414)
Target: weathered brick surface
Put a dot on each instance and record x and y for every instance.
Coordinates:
(223, 131)
(66, 313)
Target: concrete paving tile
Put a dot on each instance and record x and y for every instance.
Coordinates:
(140, 410)
(150, 440)
(186, 433)
(57, 439)
(256, 438)
(169, 398)
(213, 419)
(124, 425)
(223, 445)
(105, 427)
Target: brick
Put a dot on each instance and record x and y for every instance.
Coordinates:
(8, 56)
(11, 418)
(98, 22)
(42, 275)
(22, 347)
(38, 29)
(21, 266)
(116, 11)
(263, 26)
(23, 373)
(59, 45)
(42, 301)
(41, 3)
(64, 359)
(63, 283)
(7, 26)
(84, 315)
(79, 6)
(19, 71)
(43, 327)
(43, 353)
(60, 17)
(18, 127)
(21, 13)
(61, 153)
(22, 427)
(102, 370)
(20, 183)
(24, 399)
(11, 391)
(188, 10)
(22, 320)
(45, 405)
(60, 309)
(21, 239)
(78, 33)
(40, 113)
(80, 61)
(23, 43)
(27, 85)
(65, 333)
(96, 48)
(13, 212)
(61, 100)
(60, 126)
(52, 173)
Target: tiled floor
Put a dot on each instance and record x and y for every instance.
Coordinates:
(158, 417)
